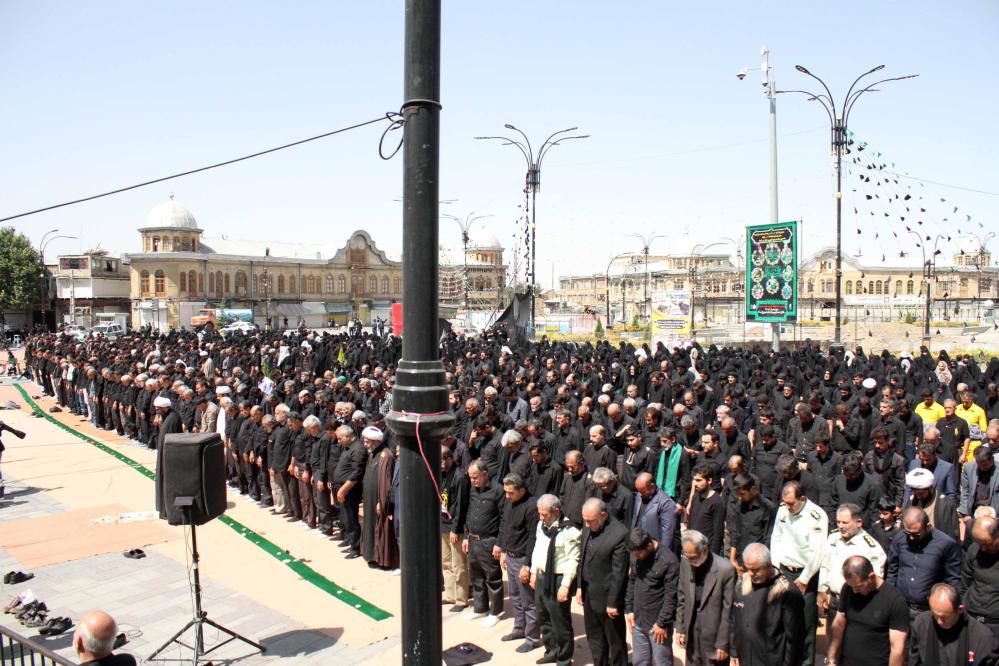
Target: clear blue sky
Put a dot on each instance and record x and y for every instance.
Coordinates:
(101, 95)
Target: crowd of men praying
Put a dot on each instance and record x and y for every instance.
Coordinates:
(721, 502)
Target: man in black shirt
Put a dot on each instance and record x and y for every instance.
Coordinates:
(707, 508)
(454, 512)
(347, 481)
(617, 498)
(482, 527)
(543, 476)
(945, 634)
(650, 602)
(825, 465)
(750, 520)
(576, 488)
(518, 528)
(873, 619)
(980, 574)
(603, 584)
(763, 459)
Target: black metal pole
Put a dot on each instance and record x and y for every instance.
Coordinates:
(534, 248)
(926, 323)
(840, 134)
(420, 394)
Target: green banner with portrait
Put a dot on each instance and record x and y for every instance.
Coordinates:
(772, 272)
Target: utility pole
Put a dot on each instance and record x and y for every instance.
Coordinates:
(420, 415)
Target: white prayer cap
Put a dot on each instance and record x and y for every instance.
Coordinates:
(372, 432)
(202, 353)
(222, 390)
(869, 383)
(919, 478)
(161, 401)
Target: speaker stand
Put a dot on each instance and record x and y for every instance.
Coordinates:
(200, 618)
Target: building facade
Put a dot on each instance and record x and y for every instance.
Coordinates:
(482, 274)
(90, 289)
(966, 290)
(180, 271)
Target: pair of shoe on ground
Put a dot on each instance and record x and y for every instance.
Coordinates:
(134, 554)
(14, 577)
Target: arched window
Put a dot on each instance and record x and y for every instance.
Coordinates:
(385, 284)
(373, 285)
(848, 287)
(877, 287)
(341, 284)
(329, 284)
(176, 243)
(255, 284)
(312, 284)
(160, 283)
(241, 284)
(211, 283)
(183, 282)
(396, 285)
(870, 286)
(156, 243)
(144, 282)
(218, 284)
(192, 282)
(898, 287)
(811, 287)
(280, 284)
(909, 286)
(228, 284)
(291, 284)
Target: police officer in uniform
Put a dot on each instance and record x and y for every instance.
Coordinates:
(797, 547)
(850, 539)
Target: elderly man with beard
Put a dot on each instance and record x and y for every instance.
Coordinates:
(767, 614)
(347, 480)
(378, 543)
(168, 423)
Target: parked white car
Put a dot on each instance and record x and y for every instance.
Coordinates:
(110, 331)
(245, 327)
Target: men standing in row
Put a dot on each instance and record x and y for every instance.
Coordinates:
(919, 557)
(650, 603)
(516, 541)
(704, 601)
(454, 512)
(603, 583)
(485, 509)
(797, 547)
(872, 619)
(767, 614)
(554, 565)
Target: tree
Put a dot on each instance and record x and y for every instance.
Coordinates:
(21, 269)
(599, 332)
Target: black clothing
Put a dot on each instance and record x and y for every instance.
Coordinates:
(454, 493)
(518, 527)
(864, 492)
(824, 471)
(574, 492)
(768, 627)
(543, 479)
(603, 456)
(980, 583)
(966, 642)
(651, 594)
(485, 510)
(868, 619)
(763, 462)
(707, 516)
(751, 522)
(883, 535)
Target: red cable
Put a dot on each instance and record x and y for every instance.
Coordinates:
(419, 443)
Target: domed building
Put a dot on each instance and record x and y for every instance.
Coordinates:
(482, 271)
(180, 272)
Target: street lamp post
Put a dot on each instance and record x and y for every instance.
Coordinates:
(929, 267)
(839, 119)
(646, 242)
(532, 183)
(607, 319)
(769, 88)
(698, 251)
(466, 225)
(41, 257)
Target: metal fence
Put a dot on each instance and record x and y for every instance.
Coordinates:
(16, 650)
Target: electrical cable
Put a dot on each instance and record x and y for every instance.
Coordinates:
(390, 116)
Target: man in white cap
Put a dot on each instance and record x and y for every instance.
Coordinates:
(169, 423)
(378, 543)
(924, 495)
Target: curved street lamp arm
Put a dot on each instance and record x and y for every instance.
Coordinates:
(41, 250)
(507, 141)
(850, 100)
(530, 151)
(812, 97)
(854, 84)
(823, 83)
(549, 139)
(551, 145)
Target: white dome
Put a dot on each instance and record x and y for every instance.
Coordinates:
(480, 239)
(173, 214)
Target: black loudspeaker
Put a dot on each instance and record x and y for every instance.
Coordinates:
(193, 469)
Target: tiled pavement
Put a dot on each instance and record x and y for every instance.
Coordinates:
(151, 600)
